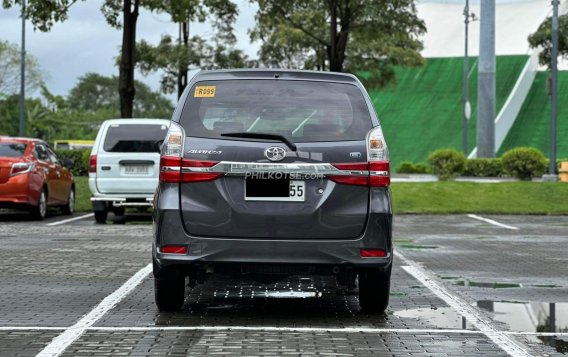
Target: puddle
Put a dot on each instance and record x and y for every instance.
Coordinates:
(491, 285)
(441, 317)
(532, 317)
(293, 294)
(416, 246)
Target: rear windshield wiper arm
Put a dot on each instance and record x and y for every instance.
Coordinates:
(268, 136)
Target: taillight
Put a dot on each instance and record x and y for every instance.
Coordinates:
(373, 253)
(198, 171)
(174, 249)
(21, 168)
(93, 164)
(373, 173)
(175, 169)
(352, 174)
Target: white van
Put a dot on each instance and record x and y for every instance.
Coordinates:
(124, 165)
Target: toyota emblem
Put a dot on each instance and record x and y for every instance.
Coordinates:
(275, 153)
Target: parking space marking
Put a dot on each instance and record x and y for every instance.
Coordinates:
(65, 339)
(495, 223)
(351, 330)
(348, 330)
(31, 328)
(70, 219)
(472, 314)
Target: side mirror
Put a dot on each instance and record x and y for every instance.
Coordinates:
(68, 163)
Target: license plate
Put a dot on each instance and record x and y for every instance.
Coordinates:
(136, 170)
(275, 190)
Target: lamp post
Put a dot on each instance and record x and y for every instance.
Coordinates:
(22, 131)
(553, 93)
(468, 17)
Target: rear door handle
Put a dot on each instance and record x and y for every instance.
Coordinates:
(105, 168)
(136, 162)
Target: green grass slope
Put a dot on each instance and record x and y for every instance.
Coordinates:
(423, 110)
(532, 127)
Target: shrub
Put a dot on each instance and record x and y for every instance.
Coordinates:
(524, 163)
(409, 168)
(483, 167)
(446, 163)
(80, 160)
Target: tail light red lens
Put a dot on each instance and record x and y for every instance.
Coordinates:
(199, 176)
(171, 170)
(93, 163)
(21, 168)
(373, 253)
(372, 174)
(174, 249)
(379, 173)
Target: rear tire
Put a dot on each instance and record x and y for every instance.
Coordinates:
(40, 210)
(101, 216)
(169, 294)
(374, 290)
(69, 208)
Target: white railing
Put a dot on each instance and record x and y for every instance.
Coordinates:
(510, 110)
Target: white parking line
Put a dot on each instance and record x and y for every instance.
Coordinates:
(474, 316)
(70, 220)
(492, 222)
(350, 330)
(65, 339)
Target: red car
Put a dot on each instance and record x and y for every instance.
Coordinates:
(32, 177)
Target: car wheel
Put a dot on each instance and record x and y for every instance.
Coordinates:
(69, 208)
(101, 216)
(374, 290)
(39, 211)
(169, 293)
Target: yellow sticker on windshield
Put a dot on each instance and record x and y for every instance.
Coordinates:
(204, 92)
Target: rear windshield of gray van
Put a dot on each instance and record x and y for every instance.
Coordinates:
(304, 111)
(134, 137)
(12, 149)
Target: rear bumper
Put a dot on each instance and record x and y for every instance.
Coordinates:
(19, 190)
(168, 230)
(121, 201)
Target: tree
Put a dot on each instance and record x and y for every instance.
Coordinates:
(340, 35)
(542, 38)
(94, 91)
(176, 57)
(10, 70)
(44, 14)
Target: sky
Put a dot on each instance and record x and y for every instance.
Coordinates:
(86, 43)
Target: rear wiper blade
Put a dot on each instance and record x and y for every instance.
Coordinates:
(267, 136)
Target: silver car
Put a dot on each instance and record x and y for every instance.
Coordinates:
(274, 172)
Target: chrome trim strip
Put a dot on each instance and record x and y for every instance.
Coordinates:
(243, 168)
(379, 173)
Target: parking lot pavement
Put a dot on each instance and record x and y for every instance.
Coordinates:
(52, 276)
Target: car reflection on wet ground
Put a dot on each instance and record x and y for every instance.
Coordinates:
(514, 280)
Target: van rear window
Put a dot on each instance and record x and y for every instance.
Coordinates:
(134, 137)
(12, 149)
(304, 111)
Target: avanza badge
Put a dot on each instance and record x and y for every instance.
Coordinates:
(204, 92)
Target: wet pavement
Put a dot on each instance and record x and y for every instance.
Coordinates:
(51, 276)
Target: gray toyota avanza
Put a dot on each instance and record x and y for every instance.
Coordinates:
(273, 172)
